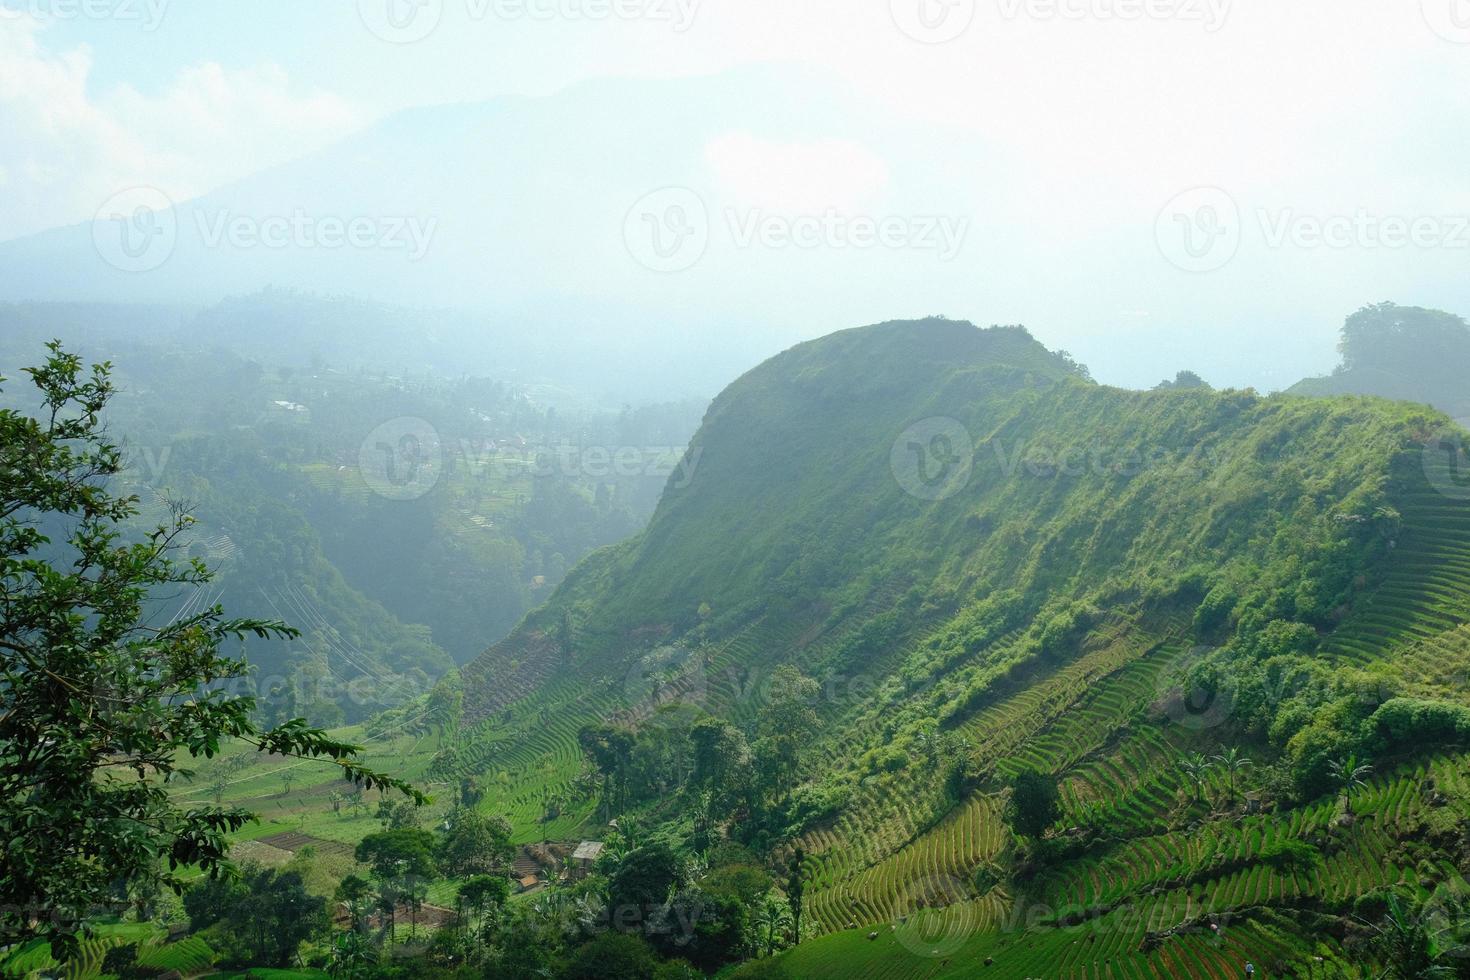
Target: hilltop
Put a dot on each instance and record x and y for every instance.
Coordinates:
(982, 562)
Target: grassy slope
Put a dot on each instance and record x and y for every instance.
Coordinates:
(795, 543)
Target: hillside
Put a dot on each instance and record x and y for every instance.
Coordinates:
(985, 564)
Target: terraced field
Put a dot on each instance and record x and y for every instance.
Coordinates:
(1094, 723)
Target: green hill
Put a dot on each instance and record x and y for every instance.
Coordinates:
(989, 564)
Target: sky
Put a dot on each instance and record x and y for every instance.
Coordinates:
(1276, 165)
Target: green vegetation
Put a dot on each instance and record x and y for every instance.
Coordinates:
(946, 659)
(100, 704)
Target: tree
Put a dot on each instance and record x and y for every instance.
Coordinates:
(643, 879)
(1232, 762)
(485, 896)
(356, 803)
(795, 889)
(1034, 804)
(1196, 769)
(772, 918)
(274, 915)
(288, 777)
(787, 723)
(445, 706)
(353, 957)
(476, 844)
(1409, 948)
(100, 705)
(1349, 774)
(336, 799)
(612, 956)
(401, 861)
(610, 749)
(355, 893)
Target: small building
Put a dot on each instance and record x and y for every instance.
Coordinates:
(584, 857)
(527, 882)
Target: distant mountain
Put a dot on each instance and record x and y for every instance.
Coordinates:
(1407, 353)
(988, 564)
(552, 221)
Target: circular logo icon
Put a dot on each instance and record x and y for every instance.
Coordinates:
(1186, 701)
(933, 21)
(1450, 19)
(670, 675)
(136, 230)
(1446, 458)
(400, 21)
(933, 459)
(942, 920)
(401, 459)
(667, 230)
(1199, 230)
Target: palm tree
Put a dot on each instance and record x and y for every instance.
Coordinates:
(1196, 769)
(1350, 774)
(1408, 947)
(772, 918)
(1232, 762)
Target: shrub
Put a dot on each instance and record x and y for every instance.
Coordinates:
(1405, 722)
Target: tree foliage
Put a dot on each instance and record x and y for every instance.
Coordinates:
(99, 703)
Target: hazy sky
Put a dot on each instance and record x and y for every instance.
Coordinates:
(1337, 131)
